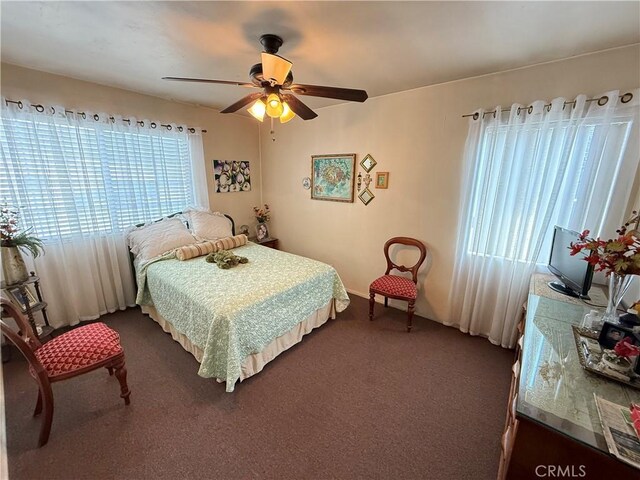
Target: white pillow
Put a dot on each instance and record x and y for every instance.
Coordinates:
(209, 226)
(152, 240)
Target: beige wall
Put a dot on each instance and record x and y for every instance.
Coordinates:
(418, 136)
(228, 137)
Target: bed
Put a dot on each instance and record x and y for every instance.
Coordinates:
(235, 321)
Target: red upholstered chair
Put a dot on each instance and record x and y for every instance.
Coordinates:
(78, 351)
(395, 286)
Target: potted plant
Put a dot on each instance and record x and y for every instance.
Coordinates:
(619, 258)
(12, 241)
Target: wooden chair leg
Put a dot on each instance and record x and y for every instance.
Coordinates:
(372, 301)
(110, 369)
(38, 410)
(386, 302)
(46, 397)
(121, 375)
(412, 304)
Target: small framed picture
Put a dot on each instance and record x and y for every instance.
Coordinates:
(22, 297)
(262, 232)
(382, 180)
(612, 334)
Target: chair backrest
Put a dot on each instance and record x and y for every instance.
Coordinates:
(405, 241)
(25, 332)
(24, 339)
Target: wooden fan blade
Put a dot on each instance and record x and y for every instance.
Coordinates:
(274, 67)
(246, 100)
(206, 80)
(298, 107)
(349, 94)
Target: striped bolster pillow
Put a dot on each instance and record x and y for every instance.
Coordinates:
(228, 243)
(196, 250)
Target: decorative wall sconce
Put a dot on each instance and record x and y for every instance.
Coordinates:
(367, 180)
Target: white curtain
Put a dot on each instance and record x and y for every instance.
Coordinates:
(567, 163)
(201, 194)
(80, 181)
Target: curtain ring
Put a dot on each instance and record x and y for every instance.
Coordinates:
(193, 130)
(39, 108)
(602, 101)
(180, 129)
(530, 109)
(548, 107)
(53, 110)
(494, 113)
(20, 104)
(169, 127)
(141, 122)
(518, 111)
(96, 117)
(476, 115)
(153, 125)
(626, 98)
(84, 115)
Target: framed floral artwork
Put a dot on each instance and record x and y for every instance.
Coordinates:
(231, 176)
(333, 177)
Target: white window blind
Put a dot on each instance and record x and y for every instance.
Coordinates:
(71, 179)
(506, 181)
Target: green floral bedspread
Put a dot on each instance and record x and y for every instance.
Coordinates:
(231, 314)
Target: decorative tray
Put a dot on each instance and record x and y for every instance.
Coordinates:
(590, 354)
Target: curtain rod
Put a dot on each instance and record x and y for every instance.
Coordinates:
(626, 98)
(40, 109)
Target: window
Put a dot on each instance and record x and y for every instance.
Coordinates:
(512, 188)
(84, 179)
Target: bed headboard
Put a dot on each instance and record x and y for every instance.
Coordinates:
(131, 256)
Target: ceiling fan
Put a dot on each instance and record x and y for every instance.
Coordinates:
(275, 80)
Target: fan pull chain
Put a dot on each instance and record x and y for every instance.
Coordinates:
(273, 133)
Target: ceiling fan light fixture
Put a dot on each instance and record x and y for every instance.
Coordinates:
(258, 109)
(275, 68)
(287, 113)
(274, 106)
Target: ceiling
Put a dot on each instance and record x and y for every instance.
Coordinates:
(382, 47)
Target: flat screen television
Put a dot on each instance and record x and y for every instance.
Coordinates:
(575, 273)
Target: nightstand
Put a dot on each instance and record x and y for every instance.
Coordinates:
(267, 242)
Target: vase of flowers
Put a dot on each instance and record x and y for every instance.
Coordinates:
(619, 258)
(12, 241)
(263, 215)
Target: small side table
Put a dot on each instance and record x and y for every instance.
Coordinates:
(267, 242)
(30, 308)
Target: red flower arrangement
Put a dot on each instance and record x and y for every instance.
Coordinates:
(619, 255)
(262, 214)
(624, 348)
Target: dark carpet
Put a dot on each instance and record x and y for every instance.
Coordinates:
(353, 400)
